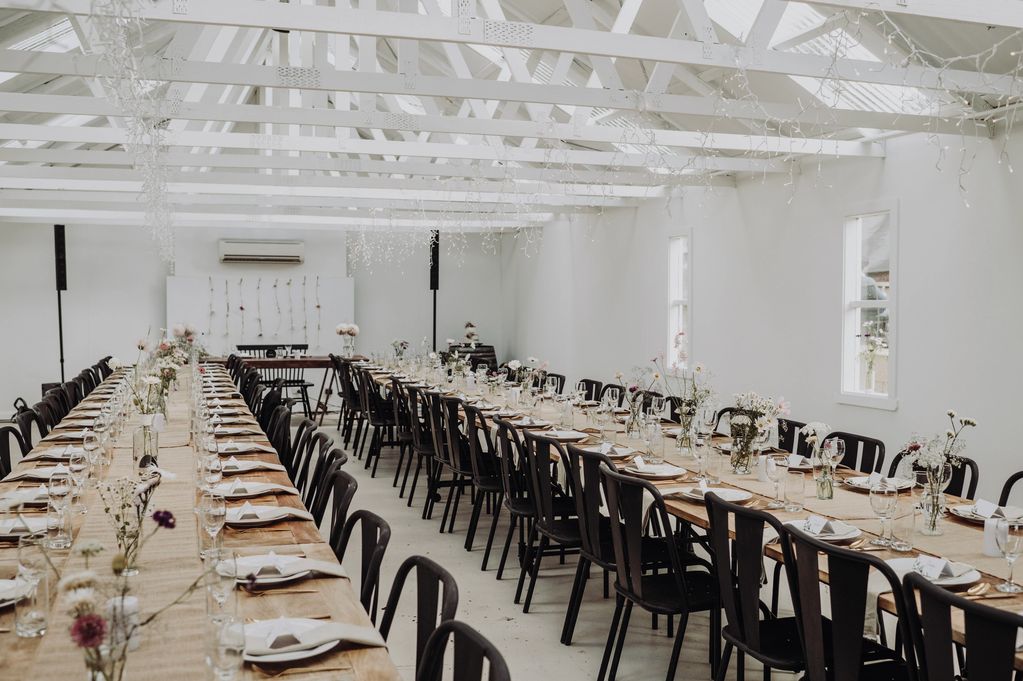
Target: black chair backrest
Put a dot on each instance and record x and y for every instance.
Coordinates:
(25, 420)
(959, 485)
(834, 652)
(990, 633)
(559, 378)
(458, 444)
(738, 563)
(319, 445)
(1003, 498)
(513, 462)
(471, 649)
(790, 439)
(73, 393)
(435, 417)
(272, 399)
(541, 476)
(399, 402)
(6, 434)
(722, 413)
(301, 449)
(862, 453)
(375, 535)
(341, 488)
(591, 388)
(279, 434)
(436, 599)
(583, 468)
(625, 495)
(482, 455)
(608, 386)
(320, 485)
(422, 439)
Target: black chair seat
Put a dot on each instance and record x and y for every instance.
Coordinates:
(490, 483)
(565, 531)
(779, 642)
(887, 670)
(661, 594)
(295, 383)
(563, 506)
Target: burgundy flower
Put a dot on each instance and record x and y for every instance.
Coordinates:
(164, 519)
(88, 631)
(633, 388)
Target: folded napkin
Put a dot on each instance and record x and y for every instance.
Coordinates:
(288, 635)
(42, 473)
(242, 488)
(11, 528)
(612, 450)
(13, 589)
(272, 565)
(54, 454)
(819, 526)
(565, 434)
(986, 509)
(66, 435)
(877, 478)
(231, 446)
(34, 495)
(234, 465)
(222, 430)
(935, 568)
(797, 461)
(528, 421)
(248, 513)
(286, 638)
(655, 469)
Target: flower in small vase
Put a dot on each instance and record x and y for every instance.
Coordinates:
(353, 330)
(88, 631)
(178, 330)
(164, 519)
(815, 432)
(141, 344)
(114, 364)
(515, 365)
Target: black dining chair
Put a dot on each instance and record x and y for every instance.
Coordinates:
(990, 634)
(834, 647)
(559, 380)
(341, 487)
(25, 421)
(380, 415)
(1003, 498)
(486, 476)
(299, 452)
(516, 499)
(374, 537)
(402, 430)
(8, 433)
(318, 448)
(609, 386)
(457, 462)
(725, 414)
(553, 503)
(436, 599)
(738, 564)
(790, 439)
(676, 591)
(591, 388)
(422, 439)
(320, 485)
(963, 481)
(862, 453)
(352, 420)
(471, 649)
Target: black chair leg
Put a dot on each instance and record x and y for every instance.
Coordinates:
(775, 588)
(431, 488)
(376, 459)
(723, 665)
(493, 530)
(676, 649)
(611, 636)
(447, 504)
(459, 482)
(415, 480)
(575, 601)
(535, 570)
(477, 509)
(527, 561)
(621, 641)
(397, 469)
(408, 469)
(507, 544)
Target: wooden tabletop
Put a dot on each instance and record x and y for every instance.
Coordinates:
(304, 362)
(173, 647)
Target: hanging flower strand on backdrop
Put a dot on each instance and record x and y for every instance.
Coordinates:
(277, 305)
(259, 307)
(305, 313)
(227, 309)
(209, 327)
(241, 305)
(291, 308)
(318, 310)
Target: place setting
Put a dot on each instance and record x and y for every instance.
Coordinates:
(243, 489)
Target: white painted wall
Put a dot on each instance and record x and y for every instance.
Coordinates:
(766, 296)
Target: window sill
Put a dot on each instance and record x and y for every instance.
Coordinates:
(883, 402)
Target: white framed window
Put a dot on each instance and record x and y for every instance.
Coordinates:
(869, 291)
(678, 290)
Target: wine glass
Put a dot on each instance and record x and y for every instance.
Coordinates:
(227, 646)
(31, 611)
(213, 513)
(776, 473)
(59, 491)
(613, 396)
(833, 451)
(656, 406)
(91, 446)
(603, 413)
(700, 454)
(708, 419)
(653, 439)
(580, 391)
(78, 465)
(212, 471)
(220, 572)
(1009, 536)
(884, 499)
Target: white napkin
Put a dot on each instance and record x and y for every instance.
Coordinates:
(233, 464)
(13, 527)
(42, 473)
(818, 526)
(654, 469)
(797, 461)
(283, 637)
(987, 509)
(273, 565)
(613, 450)
(249, 512)
(17, 497)
(13, 589)
(54, 453)
(241, 488)
(221, 430)
(232, 446)
(935, 568)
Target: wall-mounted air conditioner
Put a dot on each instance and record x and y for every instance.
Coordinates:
(262, 251)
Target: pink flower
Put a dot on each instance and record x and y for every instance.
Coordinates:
(783, 407)
(164, 346)
(88, 631)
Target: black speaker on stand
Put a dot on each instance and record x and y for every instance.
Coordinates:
(435, 278)
(60, 265)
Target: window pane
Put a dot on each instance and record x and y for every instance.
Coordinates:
(679, 253)
(875, 252)
(871, 349)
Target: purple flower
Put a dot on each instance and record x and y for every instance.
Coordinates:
(164, 519)
(88, 631)
(633, 388)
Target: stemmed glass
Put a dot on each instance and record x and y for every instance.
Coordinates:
(833, 451)
(213, 513)
(708, 419)
(653, 443)
(221, 570)
(78, 465)
(603, 414)
(656, 406)
(212, 472)
(700, 454)
(1009, 536)
(91, 445)
(884, 499)
(613, 397)
(580, 391)
(776, 473)
(59, 491)
(226, 648)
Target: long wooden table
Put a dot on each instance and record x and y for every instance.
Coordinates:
(961, 541)
(173, 647)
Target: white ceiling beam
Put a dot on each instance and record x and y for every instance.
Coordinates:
(42, 213)
(259, 14)
(18, 132)
(766, 24)
(256, 192)
(442, 86)
(826, 25)
(551, 130)
(406, 168)
(1008, 13)
(315, 184)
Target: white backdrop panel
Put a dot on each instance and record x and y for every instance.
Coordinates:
(229, 311)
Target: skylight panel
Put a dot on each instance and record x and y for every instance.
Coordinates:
(60, 37)
(735, 16)
(797, 20)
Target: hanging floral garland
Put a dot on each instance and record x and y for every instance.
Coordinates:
(259, 307)
(319, 310)
(241, 305)
(305, 313)
(291, 308)
(209, 327)
(227, 309)
(277, 303)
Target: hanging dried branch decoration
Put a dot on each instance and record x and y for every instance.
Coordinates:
(209, 327)
(259, 307)
(227, 309)
(241, 305)
(291, 307)
(319, 310)
(305, 313)
(277, 304)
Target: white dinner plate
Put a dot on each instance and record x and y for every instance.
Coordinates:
(845, 535)
(566, 435)
(734, 496)
(243, 575)
(536, 423)
(263, 627)
(620, 451)
(904, 566)
(965, 511)
(862, 483)
(664, 472)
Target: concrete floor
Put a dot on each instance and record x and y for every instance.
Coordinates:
(529, 642)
